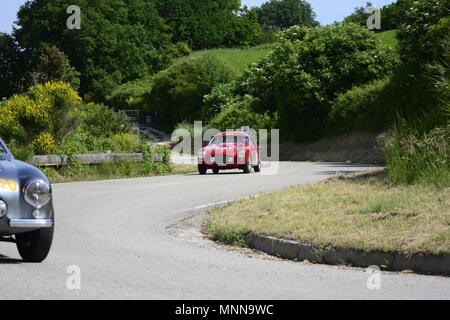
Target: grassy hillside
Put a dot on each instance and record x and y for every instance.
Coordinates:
(237, 60)
(388, 37)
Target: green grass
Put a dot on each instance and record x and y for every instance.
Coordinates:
(362, 211)
(236, 60)
(122, 170)
(413, 157)
(389, 37)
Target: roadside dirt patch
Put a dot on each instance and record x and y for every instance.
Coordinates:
(356, 147)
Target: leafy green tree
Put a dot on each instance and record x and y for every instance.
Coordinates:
(282, 14)
(205, 24)
(244, 29)
(308, 69)
(177, 93)
(12, 77)
(425, 29)
(55, 66)
(393, 15)
(359, 16)
(126, 38)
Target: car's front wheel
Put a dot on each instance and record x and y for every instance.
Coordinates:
(202, 169)
(258, 167)
(248, 166)
(34, 246)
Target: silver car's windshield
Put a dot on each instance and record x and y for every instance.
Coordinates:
(2, 149)
(4, 153)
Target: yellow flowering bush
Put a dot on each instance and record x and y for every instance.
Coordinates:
(124, 142)
(44, 144)
(24, 117)
(52, 93)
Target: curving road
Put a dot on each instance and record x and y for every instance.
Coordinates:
(115, 232)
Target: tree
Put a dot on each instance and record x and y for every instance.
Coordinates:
(122, 38)
(178, 93)
(55, 66)
(205, 24)
(360, 15)
(307, 70)
(393, 15)
(12, 78)
(282, 14)
(244, 29)
(425, 30)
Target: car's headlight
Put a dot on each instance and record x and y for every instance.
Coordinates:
(3, 209)
(201, 154)
(37, 193)
(241, 153)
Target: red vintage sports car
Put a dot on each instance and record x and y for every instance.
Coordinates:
(229, 150)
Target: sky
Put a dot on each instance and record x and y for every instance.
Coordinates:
(327, 11)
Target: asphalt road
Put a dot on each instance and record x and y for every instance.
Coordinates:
(116, 233)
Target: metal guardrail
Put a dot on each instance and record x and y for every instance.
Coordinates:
(87, 159)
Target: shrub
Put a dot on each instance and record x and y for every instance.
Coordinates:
(182, 49)
(55, 66)
(416, 157)
(178, 92)
(241, 113)
(370, 107)
(44, 144)
(100, 129)
(308, 69)
(124, 142)
(426, 26)
(21, 152)
(214, 102)
(44, 108)
(100, 121)
(130, 95)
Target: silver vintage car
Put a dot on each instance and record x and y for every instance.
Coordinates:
(26, 207)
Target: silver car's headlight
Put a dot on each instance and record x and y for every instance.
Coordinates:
(37, 193)
(3, 209)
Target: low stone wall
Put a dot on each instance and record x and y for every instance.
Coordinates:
(87, 159)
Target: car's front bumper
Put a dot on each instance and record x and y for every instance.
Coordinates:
(222, 161)
(31, 223)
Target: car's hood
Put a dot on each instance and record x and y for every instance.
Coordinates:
(225, 147)
(14, 175)
(19, 171)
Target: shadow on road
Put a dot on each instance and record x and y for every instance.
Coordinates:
(8, 260)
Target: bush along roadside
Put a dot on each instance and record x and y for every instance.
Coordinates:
(75, 171)
(413, 157)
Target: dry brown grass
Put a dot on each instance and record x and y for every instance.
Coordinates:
(362, 211)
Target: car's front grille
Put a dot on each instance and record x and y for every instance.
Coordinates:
(224, 159)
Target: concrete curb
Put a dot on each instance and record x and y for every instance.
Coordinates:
(287, 249)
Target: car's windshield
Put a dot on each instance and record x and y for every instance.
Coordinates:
(2, 149)
(3, 152)
(230, 139)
